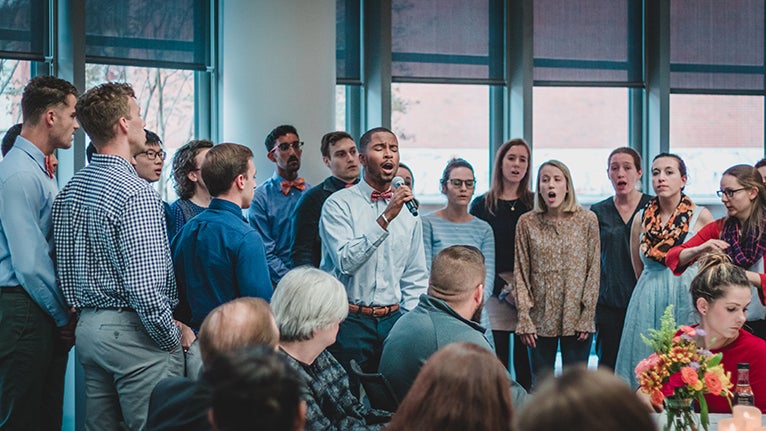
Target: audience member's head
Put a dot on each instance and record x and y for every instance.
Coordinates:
(187, 165)
(460, 387)
(254, 388)
(149, 162)
(308, 303)
(10, 138)
(236, 324)
(229, 169)
(340, 155)
(457, 277)
(100, 110)
(718, 278)
(583, 400)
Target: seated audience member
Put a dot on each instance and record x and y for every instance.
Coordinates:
(339, 154)
(193, 196)
(448, 313)
(461, 387)
(584, 400)
(309, 305)
(761, 166)
(721, 294)
(254, 389)
(180, 403)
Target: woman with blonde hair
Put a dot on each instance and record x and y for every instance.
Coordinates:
(668, 219)
(556, 273)
(509, 196)
(460, 387)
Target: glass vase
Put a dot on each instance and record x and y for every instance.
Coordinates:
(680, 415)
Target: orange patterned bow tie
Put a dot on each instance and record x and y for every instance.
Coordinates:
(50, 169)
(376, 195)
(299, 184)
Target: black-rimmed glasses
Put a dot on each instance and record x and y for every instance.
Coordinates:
(151, 154)
(728, 192)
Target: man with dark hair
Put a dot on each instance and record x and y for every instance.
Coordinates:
(10, 138)
(273, 205)
(115, 265)
(180, 403)
(448, 313)
(339, 154)
(193, 196)
(375, 249)
(36, 326)
(255, 388)
(218, 256)
(149, 162)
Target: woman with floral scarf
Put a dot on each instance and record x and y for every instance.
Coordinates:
(668, 220)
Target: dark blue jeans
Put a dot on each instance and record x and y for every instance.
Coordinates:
(543, 357)
(361, 338)
(609, 322)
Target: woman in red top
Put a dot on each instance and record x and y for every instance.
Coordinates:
(741, 235)
(721, 295)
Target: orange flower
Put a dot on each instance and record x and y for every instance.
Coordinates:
(657, 398)
(713, 383)
(689, 376)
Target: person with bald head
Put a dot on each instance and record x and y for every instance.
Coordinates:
(181, 403)
(447, 313)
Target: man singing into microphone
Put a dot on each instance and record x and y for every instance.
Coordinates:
(374, 246)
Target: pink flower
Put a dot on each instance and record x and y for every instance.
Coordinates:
(688, 330)
(647, 364)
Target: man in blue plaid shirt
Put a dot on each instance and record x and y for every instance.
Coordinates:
(115, 266)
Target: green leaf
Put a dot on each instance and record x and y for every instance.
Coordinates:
(704, 418)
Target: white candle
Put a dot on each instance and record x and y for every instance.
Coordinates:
(750, 416)
(731, 424)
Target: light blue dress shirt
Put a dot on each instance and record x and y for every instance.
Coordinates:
(26, 232)
(271, 214)
(378, 267)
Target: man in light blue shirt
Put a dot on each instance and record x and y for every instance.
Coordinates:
(274, 202)
(375, 249)
(36, 326)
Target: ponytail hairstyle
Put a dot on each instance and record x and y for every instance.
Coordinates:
(716, 274)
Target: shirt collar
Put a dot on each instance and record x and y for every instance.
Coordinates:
(32, 150)
(224, 205)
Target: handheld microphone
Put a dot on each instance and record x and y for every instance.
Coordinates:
(397, 182)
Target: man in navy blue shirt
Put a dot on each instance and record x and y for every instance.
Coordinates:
(218, 256)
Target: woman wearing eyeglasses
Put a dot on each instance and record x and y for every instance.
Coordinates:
(668, 220)
(453, 225)
(740, 235)
(556, 273)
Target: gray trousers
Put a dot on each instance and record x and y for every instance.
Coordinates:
(122, 364)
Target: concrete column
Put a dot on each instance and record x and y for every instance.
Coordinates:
(277, 66)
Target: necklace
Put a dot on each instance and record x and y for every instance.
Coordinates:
(512, 204)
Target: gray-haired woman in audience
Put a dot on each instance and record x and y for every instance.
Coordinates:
(309, 305)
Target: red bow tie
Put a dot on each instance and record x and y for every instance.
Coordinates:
(49, 168)
(376, 195)
(299, 184)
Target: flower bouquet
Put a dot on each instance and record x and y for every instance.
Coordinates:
(680, 371)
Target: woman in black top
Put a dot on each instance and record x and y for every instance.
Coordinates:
(509, 197)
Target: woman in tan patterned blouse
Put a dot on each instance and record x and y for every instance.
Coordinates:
(557, 273)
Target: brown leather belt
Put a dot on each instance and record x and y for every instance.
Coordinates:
(13, 289)
(373, 311)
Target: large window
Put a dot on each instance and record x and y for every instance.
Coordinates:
(14, 75)
(712, 133)
(580, 127)
(166, 98)
(436, 122)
